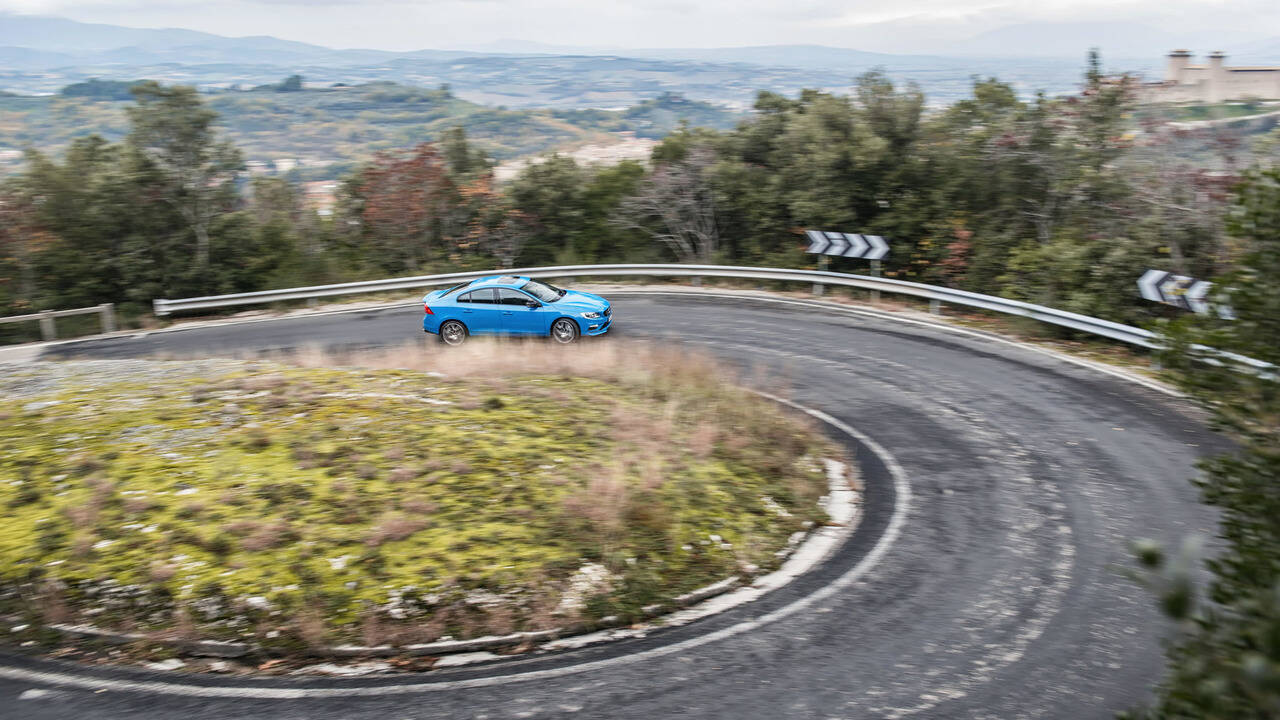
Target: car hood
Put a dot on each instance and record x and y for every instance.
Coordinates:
(580, 301)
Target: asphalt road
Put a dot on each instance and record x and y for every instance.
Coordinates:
(1001, 596)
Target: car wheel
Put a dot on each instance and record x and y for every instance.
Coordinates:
(453, 332)
(564, 331)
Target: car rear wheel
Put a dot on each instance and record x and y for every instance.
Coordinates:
(564, 331)
(453, 332)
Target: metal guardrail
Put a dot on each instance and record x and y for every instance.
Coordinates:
(49, 331)
(936, 295)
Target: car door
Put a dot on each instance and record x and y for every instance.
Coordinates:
(480, 312)
(517, 317)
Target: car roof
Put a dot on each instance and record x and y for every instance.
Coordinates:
(499, 280)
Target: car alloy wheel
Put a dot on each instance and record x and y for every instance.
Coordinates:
(453, 333)
(564, 331)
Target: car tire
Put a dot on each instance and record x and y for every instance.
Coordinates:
(453, 333)
(564, 331)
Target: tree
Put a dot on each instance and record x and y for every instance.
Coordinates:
(552, 192)
(190, 168)
(676, 206)
(21, 240)
(409, 208)
(462, 157)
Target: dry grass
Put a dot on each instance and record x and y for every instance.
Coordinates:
(602, 504)
(664, 367)
(161, 572)
(257, 535)
(393, 526)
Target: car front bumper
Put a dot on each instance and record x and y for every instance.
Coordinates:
(597, 327)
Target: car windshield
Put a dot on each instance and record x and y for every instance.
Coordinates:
(543, 291)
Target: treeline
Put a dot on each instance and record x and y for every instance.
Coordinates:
(1062, 202)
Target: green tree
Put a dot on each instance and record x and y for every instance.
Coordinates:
(463, 158)
(190, 169)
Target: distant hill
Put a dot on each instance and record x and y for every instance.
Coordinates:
(72, 42)
(39, 55)
(329, 130)
(73, 37)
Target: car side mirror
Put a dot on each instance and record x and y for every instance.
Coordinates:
(533, 303)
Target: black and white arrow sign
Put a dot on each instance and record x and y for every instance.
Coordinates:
(817, 242)
(1195, 297)
(1177, 290)
(879, 248)
(838, 243)
(850, 245)
(857, 246)
(1149, 285)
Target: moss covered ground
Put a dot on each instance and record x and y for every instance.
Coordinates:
(302, 506)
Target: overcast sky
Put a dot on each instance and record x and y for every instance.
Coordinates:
(901, 25)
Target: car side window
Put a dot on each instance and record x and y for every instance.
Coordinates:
(484, 296)
(507, 296)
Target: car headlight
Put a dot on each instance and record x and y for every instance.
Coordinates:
(591, 315)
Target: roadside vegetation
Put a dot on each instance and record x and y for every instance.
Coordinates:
(298, 506)
(1224, 660)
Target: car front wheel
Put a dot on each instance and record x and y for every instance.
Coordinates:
(453, 332)
(564, 331)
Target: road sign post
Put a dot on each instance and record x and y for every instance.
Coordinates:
(850, 245)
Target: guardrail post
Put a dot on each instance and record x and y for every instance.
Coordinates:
(822, 265)
(47, 329)
(875, 272)
(935, 307)
(107, 314)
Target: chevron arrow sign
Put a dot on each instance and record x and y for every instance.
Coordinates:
(857, 246)
(1178, 290)
(879, 248)
(1195, 297)
(818, 242)
(850, 245)
(1149, 285)
(838, 243)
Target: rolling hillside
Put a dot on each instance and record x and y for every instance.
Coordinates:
(327, 130)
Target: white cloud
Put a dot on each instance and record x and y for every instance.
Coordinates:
(904, 25)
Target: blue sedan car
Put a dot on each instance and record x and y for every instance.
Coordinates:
(511, 305)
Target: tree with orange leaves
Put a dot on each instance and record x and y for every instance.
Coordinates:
(410, 209)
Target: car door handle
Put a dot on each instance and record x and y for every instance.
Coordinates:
(506, 312)
(467, 310)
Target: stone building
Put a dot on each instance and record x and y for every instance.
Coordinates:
(1212, 82)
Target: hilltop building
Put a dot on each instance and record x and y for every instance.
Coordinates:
(1212, 82)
